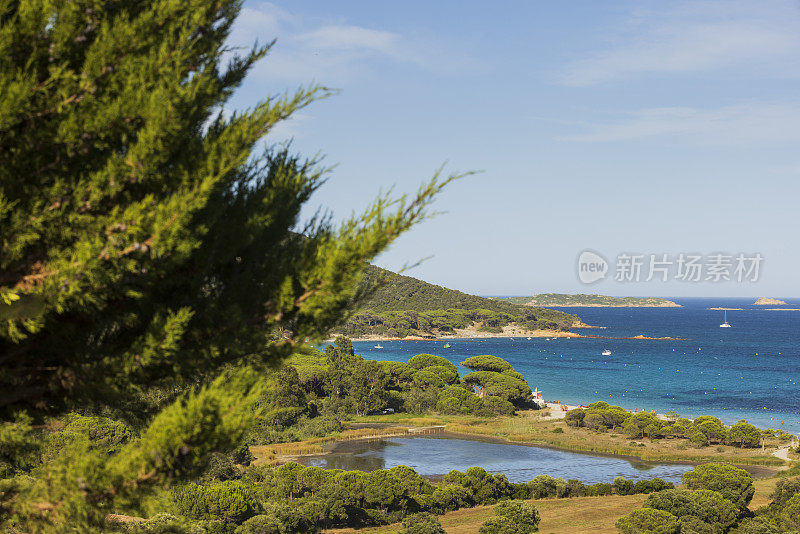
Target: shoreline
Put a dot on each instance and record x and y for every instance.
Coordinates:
(671, 305)
(482, 336)
(759, 470)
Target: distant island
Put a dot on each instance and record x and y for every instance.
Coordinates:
(594, 301)
(406, 307)
(766, 301)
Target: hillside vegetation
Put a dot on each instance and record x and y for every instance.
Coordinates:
(403, 306)
(562, 299)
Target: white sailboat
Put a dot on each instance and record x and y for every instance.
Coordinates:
(378, 346)
(725, 323)
(606, 352)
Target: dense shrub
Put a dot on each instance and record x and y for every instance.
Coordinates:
(575, 417)
(693, 525)
(734, 484)
(456, 400)
(512, 517)
(422, 523)
(623, 487)
(99, 433)
(498, 405)
(420, 361)
(523, 514)
(260, 524)
(785, 490)
(450, 497)
(544, 486)
(511, 389)
(498, 525)
(744, 434)
(487, 362)
(163, 524)
(232, 501)
(707, 506)
(295, 498)
(648, 521)
(704, 430)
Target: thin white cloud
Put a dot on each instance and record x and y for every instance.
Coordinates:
(696, 37)
(330, 52)
(745, 124)
(352, 39)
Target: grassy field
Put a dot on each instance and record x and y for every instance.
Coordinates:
(573, 516)
(562, 516)
(530, 427)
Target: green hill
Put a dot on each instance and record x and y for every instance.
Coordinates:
(561, 299)
(403, 306)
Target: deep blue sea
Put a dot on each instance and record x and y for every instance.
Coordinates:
(750, 371)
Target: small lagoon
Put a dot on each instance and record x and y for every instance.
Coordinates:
(433, 456)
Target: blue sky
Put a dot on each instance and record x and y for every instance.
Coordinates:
(638, 127)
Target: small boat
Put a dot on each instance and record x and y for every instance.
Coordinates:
(447, 345)
(606, 352)
(529, 339)
(378, 346)
(725, 323)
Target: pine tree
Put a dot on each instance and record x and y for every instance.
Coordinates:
(147, 244)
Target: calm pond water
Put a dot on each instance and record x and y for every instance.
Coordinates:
(431, 456)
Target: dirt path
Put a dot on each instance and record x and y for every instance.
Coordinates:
(783, 454)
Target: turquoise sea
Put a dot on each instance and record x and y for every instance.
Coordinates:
(750, 371)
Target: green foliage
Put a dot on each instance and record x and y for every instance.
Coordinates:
(744, 434)
(100, 433)
(498, 525)
(422, 523)
(508, 388)
(714, 431)
(421, 361)
(785, 490)
(642, 424)
(487, 362)
(600, 416)
(232, 501)
(447, 374)
(401, 374)
(708, 506)
(356, 385)
(702, 431)
(524, 515)
(260, 524)
(734, 484)
(782, 514)
(648, 521)
(154, 263)
(164, 524)
(693, 525)
(512, 517)
(19, 446)
(456, 400)
(498, 405)
(561, 299)
(403, 305)
(304, 499)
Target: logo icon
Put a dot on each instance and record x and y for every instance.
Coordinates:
(592, 267)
